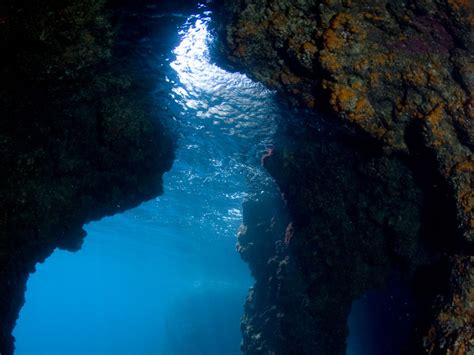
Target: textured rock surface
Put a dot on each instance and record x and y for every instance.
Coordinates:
(352, 219)
(453, 328)
(79, 136)
(402, 73)
(400, 70)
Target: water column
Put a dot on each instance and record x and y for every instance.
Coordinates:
(164, 278)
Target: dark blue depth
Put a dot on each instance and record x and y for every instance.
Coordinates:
(165, 278)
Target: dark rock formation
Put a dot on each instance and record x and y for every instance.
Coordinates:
(79, 135)
(453, 326)
(399, 72)
(352, 219)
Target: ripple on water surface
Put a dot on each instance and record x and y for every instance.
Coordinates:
(164, 278)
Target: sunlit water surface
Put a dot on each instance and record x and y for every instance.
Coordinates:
(164, 278)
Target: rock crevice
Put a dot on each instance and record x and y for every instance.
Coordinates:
(399, 72)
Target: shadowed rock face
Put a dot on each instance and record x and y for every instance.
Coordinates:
(352, 218)
(399, 72)
(79, 135)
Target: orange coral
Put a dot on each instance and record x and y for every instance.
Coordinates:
(458, 4)
(436, 115)
(351, 101)
(279, 21)
(309, 47)
(465, 166)
(339, 33)
(332, 41)
(375, 78)
(330, 62)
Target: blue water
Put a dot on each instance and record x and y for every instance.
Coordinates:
(381, 320)
(164, 278)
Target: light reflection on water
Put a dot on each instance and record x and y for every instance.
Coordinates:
(226, 121)
(230, 100)
(164, 278)
(128, 288)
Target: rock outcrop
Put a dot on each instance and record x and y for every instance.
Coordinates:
(352, 219)
(80, 137)
(401, 73)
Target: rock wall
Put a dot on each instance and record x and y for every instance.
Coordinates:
(352, 218)
(400, 73)
(80, 137)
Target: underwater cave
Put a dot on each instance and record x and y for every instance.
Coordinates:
(236, 177)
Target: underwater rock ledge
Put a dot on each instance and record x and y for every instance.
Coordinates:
(80, 137)
(401, 73)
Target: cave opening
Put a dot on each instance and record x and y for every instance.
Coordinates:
(324, 221)
(165, 277)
